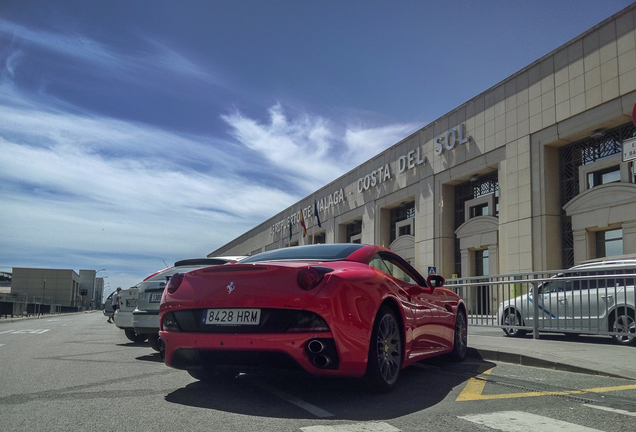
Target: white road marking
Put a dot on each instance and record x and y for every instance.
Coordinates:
(614, 410)
(26, 331)
(356, 427)
(318, 412)
(517, 421)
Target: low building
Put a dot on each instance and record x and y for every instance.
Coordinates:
(56, 287)
(5, 283)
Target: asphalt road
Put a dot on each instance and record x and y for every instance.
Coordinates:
(78, 373)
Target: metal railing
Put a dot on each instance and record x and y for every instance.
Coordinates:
(13, 304)
(563, 301)
(17, 305)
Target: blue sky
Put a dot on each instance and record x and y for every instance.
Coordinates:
(138, 133)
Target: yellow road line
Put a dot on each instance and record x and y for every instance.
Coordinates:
(475, 387)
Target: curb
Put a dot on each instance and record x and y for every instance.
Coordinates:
(525, 360)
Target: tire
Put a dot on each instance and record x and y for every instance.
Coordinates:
(134, 337)
(460, 338)
(153, 341)
(385, 351)
(624, 322)
(512, 317)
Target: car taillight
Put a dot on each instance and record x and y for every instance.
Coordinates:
(310, 277)
(174, 283)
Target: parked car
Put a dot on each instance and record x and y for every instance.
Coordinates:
(587, 298)
(329, 309)
(123, 314)
(145, 317)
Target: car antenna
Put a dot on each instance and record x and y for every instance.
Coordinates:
(164, 262)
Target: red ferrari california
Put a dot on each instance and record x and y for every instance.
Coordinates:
(328, 309)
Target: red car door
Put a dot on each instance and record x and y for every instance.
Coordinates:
(428, 324)
(435, 332)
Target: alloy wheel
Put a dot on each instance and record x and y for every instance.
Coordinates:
(389, 349)
(625, 325)
(512, 318)
(460, 345)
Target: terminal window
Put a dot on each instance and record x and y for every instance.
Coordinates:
(401, 213)
(354, 231)
(609, 243)
(605, 176)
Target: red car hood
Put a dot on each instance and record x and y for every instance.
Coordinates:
(270, 285)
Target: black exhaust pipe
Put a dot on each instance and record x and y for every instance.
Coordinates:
(315, 346)
(321, 361)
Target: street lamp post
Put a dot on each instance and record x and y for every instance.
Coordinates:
(95, 277)
(42, 298)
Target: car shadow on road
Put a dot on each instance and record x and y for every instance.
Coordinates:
(285, 395)
(152, 357)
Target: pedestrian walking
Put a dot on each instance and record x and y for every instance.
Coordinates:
(114, 301)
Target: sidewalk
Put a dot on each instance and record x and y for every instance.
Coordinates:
(596, 355)
(17, 318)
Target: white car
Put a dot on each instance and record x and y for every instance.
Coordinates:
(145, 318)
(587, 298)
(123, 314)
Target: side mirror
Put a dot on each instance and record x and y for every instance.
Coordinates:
(435, 281)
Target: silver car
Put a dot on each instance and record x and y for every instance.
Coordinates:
(145, 318)
(123, 314)
(596, 297)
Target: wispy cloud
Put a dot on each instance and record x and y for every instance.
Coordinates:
(70, 45)
(78, 185)
(149, 64)
(363, 143)
(311, 149)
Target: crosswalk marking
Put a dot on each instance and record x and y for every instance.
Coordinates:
(517, 421)
(318, 412)
(356, 427)
(614, 410)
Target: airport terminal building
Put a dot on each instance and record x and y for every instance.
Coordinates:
(535, 173)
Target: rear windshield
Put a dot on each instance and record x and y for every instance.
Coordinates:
(318, 252)
(181, 269)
